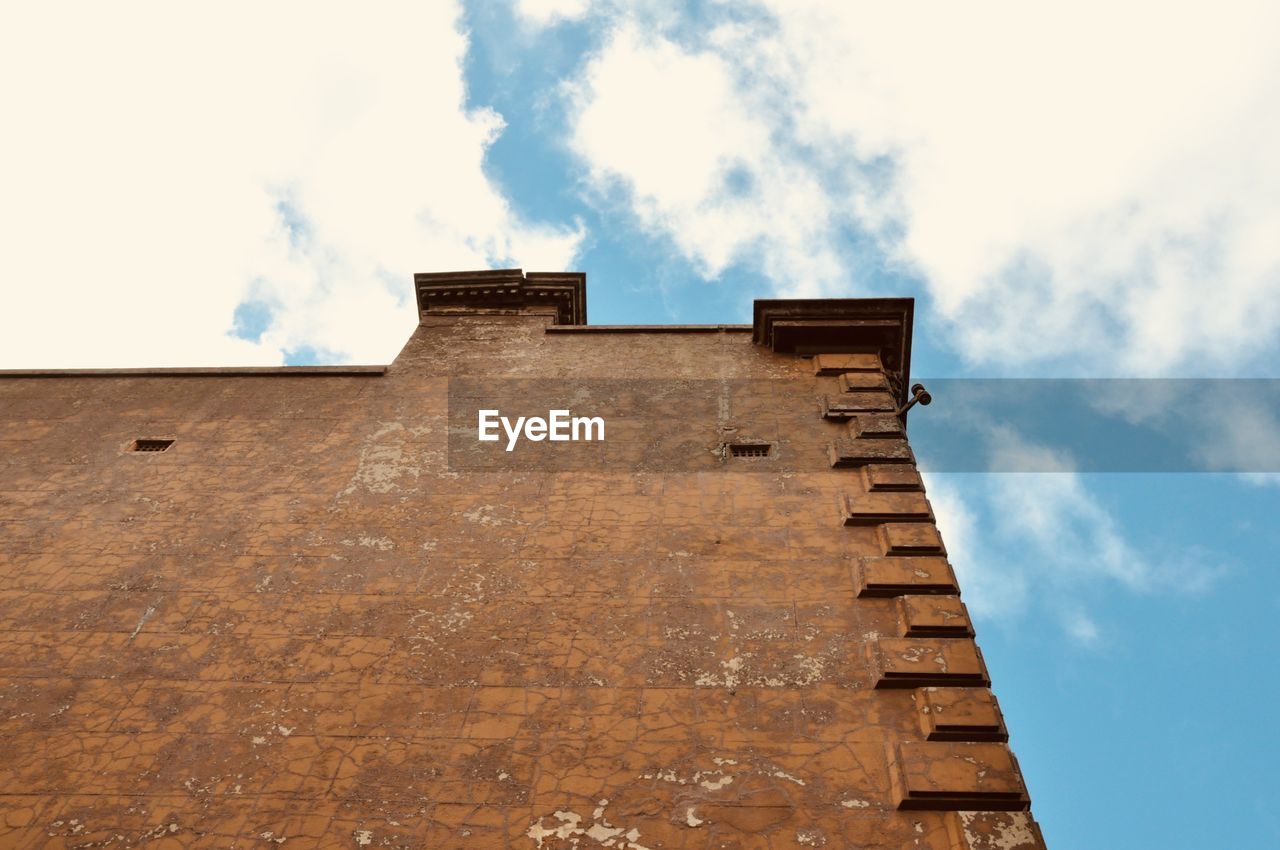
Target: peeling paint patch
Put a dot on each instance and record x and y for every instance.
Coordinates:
(730, 677)
(383, 461)
(713, 784)
(486, 515)
(784, 775)
(1011, 833)
(382, 544)
(810, 837)
(721, 779)
(601, 831)
(142, 621)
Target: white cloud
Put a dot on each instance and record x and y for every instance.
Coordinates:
(1092, 185)
(1071, 534)
(1261, 479)
(544, 12)
(151, 151)
(1025, 543)
(693, 153)
(1082, 628)
(1243, 417)
(992, 588)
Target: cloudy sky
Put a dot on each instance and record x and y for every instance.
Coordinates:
(1085, 190)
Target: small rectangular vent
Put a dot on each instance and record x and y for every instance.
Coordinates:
(150, 445)
(749, 449)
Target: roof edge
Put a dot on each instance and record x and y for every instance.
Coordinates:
(646, 329)
(201, 372)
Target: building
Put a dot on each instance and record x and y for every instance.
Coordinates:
(308, 607)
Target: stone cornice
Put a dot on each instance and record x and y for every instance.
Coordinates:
(504, 291)
(841, 325)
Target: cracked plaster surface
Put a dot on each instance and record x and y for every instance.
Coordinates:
(300, 627)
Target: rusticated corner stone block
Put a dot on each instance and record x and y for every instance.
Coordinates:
(876, 508)
(956, 777)
(840, 408)
(884, 577)
(835, 364)
(873, 426)
(910, 538)
(854, 453)
(921, 662)
(934, 616)
(994, 831)
(891, 478)
(862, 382)
(959, 714)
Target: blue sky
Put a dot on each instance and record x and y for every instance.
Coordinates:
(1086, 190)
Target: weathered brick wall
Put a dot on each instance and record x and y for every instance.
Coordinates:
(299, 626)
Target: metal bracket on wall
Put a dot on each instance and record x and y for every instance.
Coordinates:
(918, 394)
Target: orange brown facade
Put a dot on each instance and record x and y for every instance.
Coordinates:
(306, 622)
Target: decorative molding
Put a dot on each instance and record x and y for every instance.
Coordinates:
(504, 291)
(647, 329)
(841, 326)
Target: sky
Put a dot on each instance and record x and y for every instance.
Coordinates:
(1069, 190)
